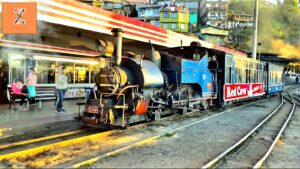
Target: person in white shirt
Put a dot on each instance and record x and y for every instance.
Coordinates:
(61, 83)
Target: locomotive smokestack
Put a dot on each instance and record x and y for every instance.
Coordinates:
(118, 35)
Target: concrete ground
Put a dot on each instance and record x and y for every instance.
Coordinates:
(10, 118)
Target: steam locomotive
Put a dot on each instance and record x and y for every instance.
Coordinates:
(174, 80)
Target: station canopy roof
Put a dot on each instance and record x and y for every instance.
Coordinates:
(76, 15)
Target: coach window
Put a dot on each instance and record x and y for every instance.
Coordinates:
(250, 64)
(16, 64)
(238, 70)
(275, 74)
(260, 73)
(280, 75)
(228, 68)
(272, 74)
(254, 73)
(245, 73)
(45, 72)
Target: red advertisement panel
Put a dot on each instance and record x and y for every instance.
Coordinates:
(257, 89)
(239, 91)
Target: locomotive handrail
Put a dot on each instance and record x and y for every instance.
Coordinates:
(127, 87)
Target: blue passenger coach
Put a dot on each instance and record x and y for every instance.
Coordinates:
(274, 78)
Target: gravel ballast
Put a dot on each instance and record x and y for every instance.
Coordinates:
(193, 146)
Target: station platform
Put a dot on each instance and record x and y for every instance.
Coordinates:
(14, 119)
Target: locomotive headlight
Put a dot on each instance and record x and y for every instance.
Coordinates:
(105, 48)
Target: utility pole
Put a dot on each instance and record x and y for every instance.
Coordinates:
(254, 47)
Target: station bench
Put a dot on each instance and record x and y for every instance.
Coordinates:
(42, 93)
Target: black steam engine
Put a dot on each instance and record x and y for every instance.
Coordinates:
(132, 89)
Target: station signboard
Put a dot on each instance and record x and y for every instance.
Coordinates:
(239, 91)
(75, 93)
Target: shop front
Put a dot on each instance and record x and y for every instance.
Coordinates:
(15, 65)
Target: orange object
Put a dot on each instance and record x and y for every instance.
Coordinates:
(19, 17)
(209, 86)
(141, 107)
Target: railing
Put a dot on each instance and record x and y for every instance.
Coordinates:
(217, 17)
(217, 8)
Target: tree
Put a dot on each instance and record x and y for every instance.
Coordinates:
(288, 21)
(241, 6)
(275, 22)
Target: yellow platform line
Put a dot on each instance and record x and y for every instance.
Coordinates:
(112, 153)
(39, 139)
(36, 150)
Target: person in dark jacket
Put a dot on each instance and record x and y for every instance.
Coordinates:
(213, 65)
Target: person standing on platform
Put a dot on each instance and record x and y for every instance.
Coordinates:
(213, 65)
(31, 83)
(61, 82)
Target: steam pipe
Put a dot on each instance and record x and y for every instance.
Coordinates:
(118, 36)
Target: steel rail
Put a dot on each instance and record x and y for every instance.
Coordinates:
(150, 139)
(263, 159)
(213, 162)
(297, 98)
(19, 143)
(290, 100)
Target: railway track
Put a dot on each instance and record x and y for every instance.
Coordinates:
(90, 161)
(287, 155)
(253, 149)
(60, 150)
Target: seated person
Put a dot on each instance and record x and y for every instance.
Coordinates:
(19, 91)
